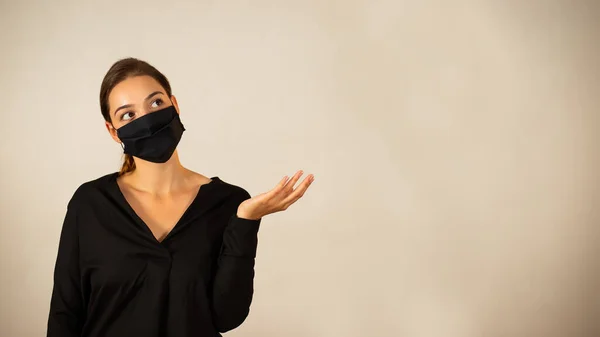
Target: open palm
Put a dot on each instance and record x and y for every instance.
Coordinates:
(276, 200)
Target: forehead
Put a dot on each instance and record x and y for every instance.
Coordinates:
(133, 90)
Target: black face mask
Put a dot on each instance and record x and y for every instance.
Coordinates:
(154, 136)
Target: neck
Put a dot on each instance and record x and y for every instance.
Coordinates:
(158, 178)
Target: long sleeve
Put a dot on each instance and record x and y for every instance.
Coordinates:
(67, 312)
(233, 285)
(113, 278)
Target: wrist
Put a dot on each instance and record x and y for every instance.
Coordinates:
(247, 217)
(244, 214)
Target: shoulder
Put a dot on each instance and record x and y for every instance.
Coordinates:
(226, 189)
(235, 192)
(92, 189)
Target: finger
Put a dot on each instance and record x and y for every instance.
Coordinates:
(292, 182)
(299, 192)
(279, 187)
(282, 183)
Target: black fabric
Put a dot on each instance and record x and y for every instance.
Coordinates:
(154, 136)
(112, 278)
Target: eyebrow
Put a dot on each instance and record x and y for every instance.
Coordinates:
(130, 105)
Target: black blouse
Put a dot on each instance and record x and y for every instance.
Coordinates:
(112, 278)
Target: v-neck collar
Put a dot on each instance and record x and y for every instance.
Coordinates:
(201, 195)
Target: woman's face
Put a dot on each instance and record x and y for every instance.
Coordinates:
(134, 98)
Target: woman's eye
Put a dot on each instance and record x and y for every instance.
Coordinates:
(157, 103)
(127, 116)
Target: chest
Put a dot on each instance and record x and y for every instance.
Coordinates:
(159, 214)
(116, 249)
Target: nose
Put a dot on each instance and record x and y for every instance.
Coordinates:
(143, 111)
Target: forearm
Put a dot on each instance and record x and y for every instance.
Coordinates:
(233, 285)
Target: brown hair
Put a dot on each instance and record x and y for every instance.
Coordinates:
(118, 72)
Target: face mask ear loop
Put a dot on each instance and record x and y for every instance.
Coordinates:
(121, 143)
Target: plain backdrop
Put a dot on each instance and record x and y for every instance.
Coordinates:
(454, 143)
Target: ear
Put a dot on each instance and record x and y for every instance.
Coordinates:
(174, 101)
(112, 131)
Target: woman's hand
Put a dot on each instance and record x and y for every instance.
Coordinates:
(276, 200)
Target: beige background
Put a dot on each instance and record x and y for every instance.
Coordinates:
(455, 146)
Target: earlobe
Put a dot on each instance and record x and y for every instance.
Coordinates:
(112, 131)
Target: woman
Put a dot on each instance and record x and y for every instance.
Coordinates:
(156, 249)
